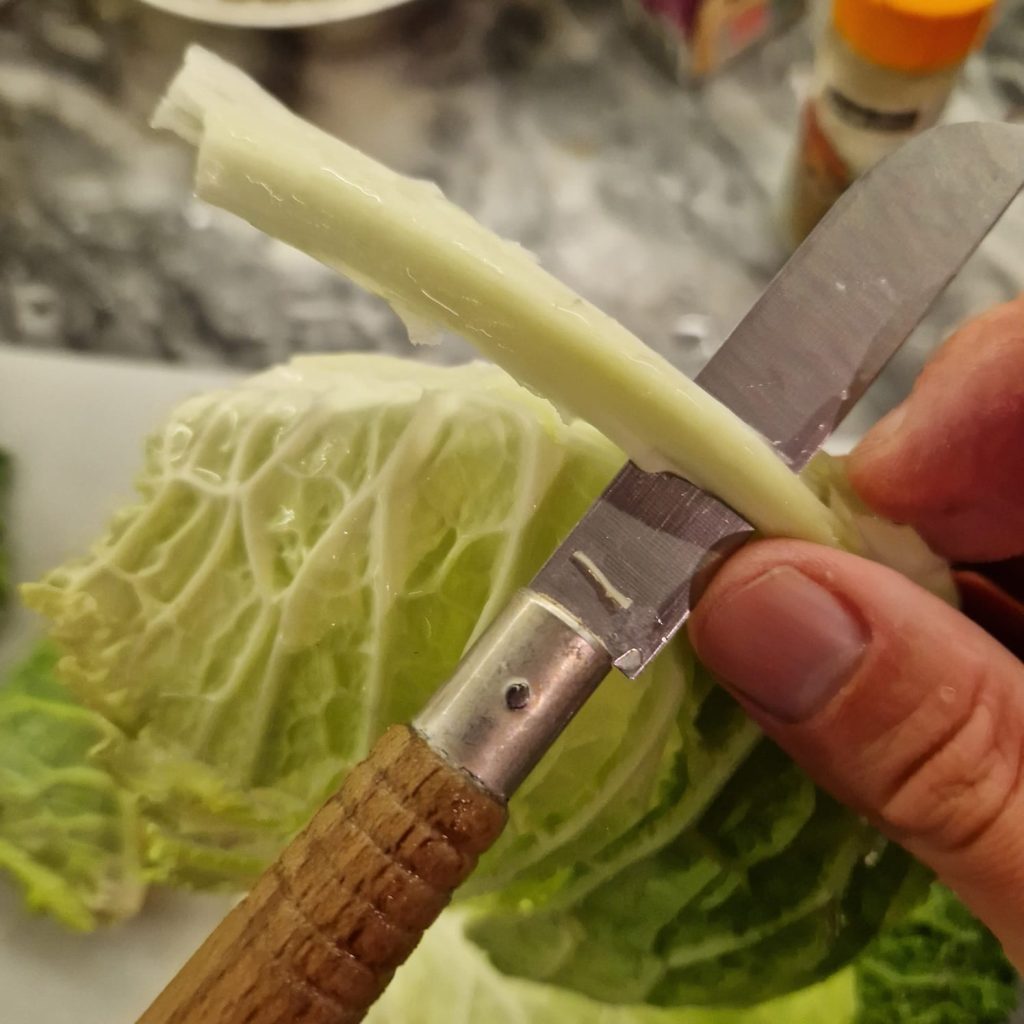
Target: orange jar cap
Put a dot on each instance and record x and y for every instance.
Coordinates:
(912, 35)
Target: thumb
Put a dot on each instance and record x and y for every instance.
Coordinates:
(889, 698)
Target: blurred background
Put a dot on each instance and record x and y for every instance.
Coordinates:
(648, 175)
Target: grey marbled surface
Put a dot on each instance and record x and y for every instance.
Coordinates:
(543, 119)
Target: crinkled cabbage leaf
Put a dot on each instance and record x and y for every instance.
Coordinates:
(939, 965)
(448, 980)
(69, 832)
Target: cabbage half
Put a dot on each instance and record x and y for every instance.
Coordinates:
(310, 554)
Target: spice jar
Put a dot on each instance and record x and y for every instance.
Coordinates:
(884, 71)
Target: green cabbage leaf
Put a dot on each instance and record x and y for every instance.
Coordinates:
(448, 980)
(939, 965)
(70, 834)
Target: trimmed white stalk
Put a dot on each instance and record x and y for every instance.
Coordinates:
(401, 239)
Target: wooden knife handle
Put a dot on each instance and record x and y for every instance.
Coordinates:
(317, 939)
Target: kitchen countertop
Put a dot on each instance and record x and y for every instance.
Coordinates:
(544, 120)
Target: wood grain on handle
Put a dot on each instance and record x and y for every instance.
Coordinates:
(317, 939)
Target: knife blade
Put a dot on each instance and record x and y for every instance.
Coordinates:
(622, 583)
(321, 933)
(792, 369)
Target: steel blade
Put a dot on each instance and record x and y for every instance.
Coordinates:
(794, 366)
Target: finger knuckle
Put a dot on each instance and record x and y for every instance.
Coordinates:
(959, 789)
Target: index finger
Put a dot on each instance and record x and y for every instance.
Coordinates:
(950, 459)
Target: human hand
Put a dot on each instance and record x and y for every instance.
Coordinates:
(894, 701)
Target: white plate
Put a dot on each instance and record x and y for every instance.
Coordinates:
(274, 13)
(75, 428)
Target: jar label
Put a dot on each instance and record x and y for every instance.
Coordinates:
(820, 176)
(859, 116)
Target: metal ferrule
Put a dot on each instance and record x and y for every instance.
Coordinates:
(514, 692)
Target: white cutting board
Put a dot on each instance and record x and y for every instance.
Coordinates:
(75, 427)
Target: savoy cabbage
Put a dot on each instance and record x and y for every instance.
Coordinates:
(310, 554)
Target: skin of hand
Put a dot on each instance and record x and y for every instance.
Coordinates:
(889, 698)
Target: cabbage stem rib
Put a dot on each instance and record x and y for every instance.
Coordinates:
(401, 239)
